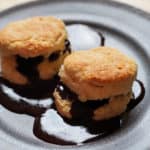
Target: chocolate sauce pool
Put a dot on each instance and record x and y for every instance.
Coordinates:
(37, 100)
(51, 127)
(27, 99)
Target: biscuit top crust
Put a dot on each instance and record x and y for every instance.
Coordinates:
(33, 37)
(98, 73)
(98, 65)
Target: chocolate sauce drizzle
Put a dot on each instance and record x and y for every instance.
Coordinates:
(102, 38)
(68, 47)
(136, 100)
(28, 67)
(79, 110)
(81, 115)
(76, 133)
(27, 99)
(38, 90)
(93, 130)
(55, 55)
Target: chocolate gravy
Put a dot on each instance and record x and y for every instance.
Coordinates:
(87, 130)
(55, 55)
(27, 99)
(136, 100)
(51, 127)
(68, 47)
(102, 39)
(36, 99)
(79, 109)
(28, 67)
(40, 88)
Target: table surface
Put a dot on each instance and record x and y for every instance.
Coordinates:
(142, 4)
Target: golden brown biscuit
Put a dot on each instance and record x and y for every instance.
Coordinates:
(33, 37)
(99, 73)
(116, 106)
(98, 80)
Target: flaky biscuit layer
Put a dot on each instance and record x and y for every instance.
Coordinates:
(115, 107)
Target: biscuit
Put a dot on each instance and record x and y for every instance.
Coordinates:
(33, 37)
(99, 73)
(44, 37)
(116, 106)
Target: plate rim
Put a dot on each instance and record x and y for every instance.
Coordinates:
(132, 9)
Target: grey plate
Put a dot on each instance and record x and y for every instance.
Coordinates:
(125, 28)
